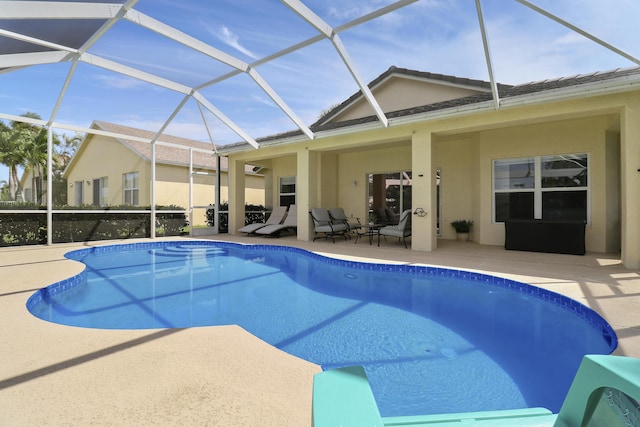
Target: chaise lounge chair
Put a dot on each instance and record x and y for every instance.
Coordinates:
(322, 224)
(402, 230)
(291, 221)
(276, 217)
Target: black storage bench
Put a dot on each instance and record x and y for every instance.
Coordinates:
(539, 235)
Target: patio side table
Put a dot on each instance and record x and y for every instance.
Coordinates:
(369, 230)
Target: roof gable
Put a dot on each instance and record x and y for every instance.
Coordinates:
(169, 155)
(164, 154)
(400, 88)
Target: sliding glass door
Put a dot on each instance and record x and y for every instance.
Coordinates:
(389, 195)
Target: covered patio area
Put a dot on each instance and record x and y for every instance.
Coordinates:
(58, 375)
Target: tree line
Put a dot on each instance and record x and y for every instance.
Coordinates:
(24, 145)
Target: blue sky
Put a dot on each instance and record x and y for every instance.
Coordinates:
(440, 36)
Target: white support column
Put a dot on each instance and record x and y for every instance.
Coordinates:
(307, 191)
(153, 190)
(423, 228)
(217, 194)
(49, 185)
(190, 191)
(236, 195)
(630, 183)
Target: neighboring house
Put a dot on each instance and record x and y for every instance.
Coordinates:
(32, 188)
(110, 171)
(567, 148)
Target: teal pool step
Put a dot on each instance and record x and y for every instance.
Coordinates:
(528, 417)
(604, 392)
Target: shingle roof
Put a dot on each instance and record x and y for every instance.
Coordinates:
(424, 75)
(577, 80)
(165, 154)
(505, 92)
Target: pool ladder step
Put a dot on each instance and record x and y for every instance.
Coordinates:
(185, 251)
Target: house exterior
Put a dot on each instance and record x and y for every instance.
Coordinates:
(567, 148)
(114, 171)
(32, 187)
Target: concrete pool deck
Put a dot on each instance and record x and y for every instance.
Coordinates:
(223, 376)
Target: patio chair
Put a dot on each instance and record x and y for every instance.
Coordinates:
(290, 222)
(402, 230)
(322, 225)
(339, 217)
(385, 216)
(276, 217)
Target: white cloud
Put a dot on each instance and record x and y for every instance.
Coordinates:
(229, 38)
(348, 14)
(264, 101)
(118, 81)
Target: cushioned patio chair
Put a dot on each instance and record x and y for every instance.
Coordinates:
(385, 216)
(402, 230)
(276, 217)
(339, 217)
(290, 222)
(322, 225)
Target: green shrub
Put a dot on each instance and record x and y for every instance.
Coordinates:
(462, 225)
(253, 213)
(31, 228)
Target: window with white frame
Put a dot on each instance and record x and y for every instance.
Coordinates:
(287, 191)
(131, 188)
(101, 191)
(551, 187)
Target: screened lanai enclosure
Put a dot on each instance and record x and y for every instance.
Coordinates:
(85, 84)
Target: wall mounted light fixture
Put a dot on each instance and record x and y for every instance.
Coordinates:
(420, 212)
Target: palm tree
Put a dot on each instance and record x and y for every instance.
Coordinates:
(64, 152)
(4, 191)
(31, 142)
(5, 142)
(34, 149)
(11, 155)
(25, 144)
(35, 156)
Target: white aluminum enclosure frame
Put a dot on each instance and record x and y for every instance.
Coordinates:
(112, 13)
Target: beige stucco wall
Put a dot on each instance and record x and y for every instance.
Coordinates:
(612, 192)
(337, 173)
(453, 157)
(606, 127)
(105, 157)
(102, 156)
(630, 180)
(171, 188)
(355, 166)
(280, 167)
(27, 187)
(467, 163)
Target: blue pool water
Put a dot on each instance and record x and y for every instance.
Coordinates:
(431, 340)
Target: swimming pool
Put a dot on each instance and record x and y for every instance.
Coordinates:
(432, 340)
